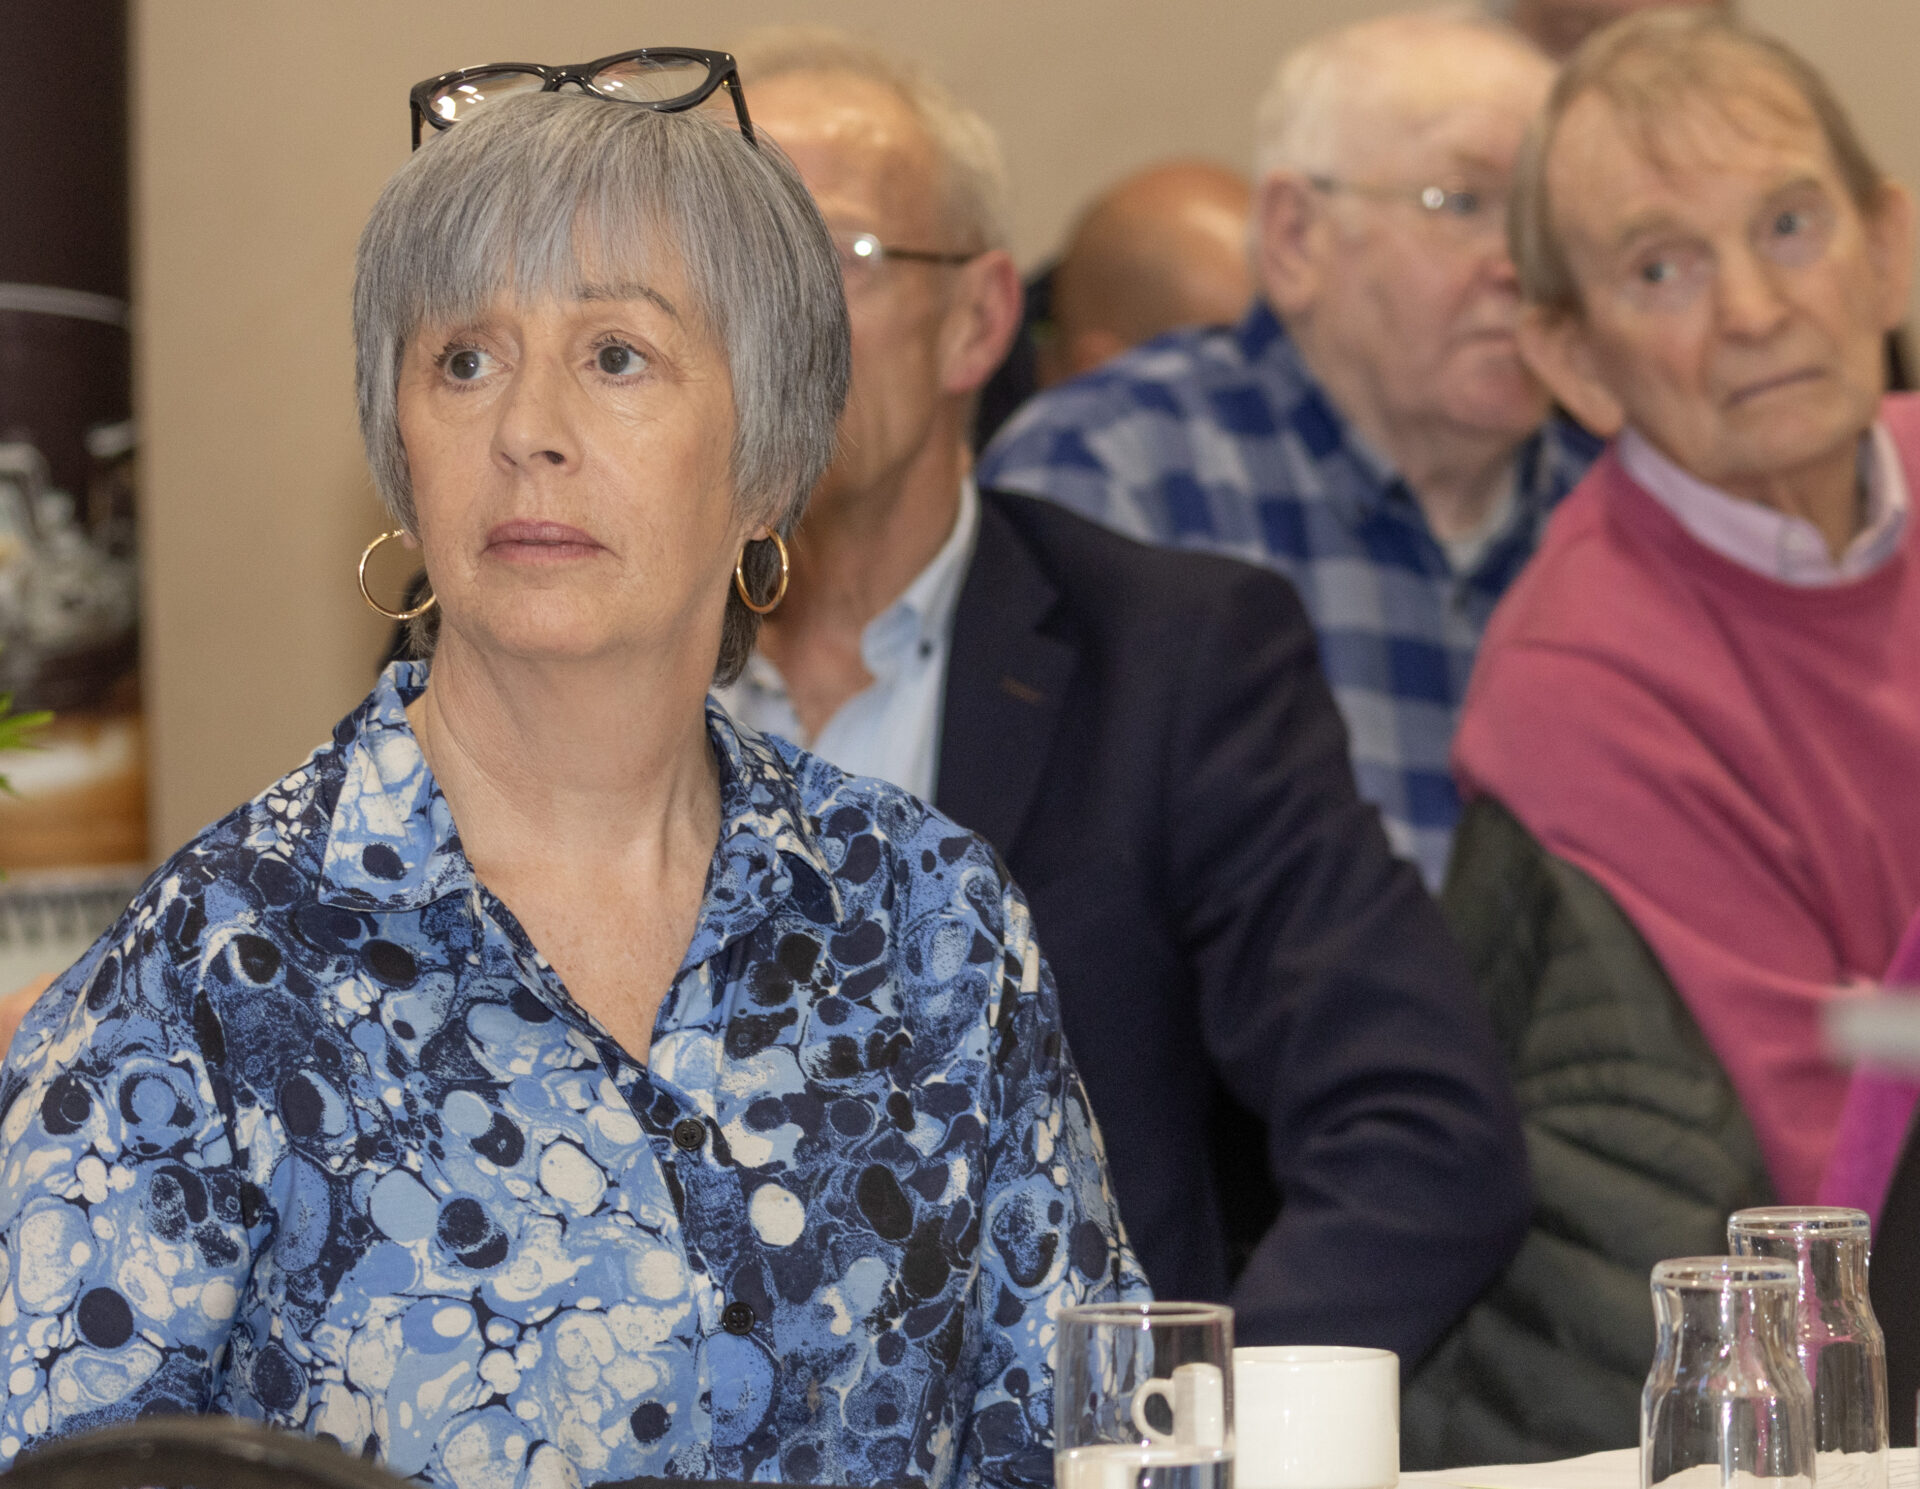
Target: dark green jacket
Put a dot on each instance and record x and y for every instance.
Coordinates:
(1639, 1149)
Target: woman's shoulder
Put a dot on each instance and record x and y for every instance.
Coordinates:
(829, 793)
(213, 902)
(895, 909)
(877, 840)
(248, 869)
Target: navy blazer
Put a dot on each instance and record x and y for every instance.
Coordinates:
(1304, 1109)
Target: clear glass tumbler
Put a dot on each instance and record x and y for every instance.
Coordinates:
(1143, 1396)
(1726, 1402)
(1840, 1344)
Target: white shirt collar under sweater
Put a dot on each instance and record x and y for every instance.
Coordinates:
(1789, 549)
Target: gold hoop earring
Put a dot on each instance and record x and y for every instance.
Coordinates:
(365, 594)
(779, 590)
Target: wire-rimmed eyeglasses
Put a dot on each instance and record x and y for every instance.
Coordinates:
(1463, 207)
(664, 79)
(862, 254)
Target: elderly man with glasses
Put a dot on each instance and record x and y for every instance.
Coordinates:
(1303, 1109)
(1368, 430)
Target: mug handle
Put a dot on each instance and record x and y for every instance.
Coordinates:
(1159, 1386)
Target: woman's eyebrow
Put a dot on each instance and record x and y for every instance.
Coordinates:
(627, 291)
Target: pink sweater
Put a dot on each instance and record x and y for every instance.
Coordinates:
(1878, 1111)
(1736, 760)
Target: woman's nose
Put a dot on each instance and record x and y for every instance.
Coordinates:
(535, 428)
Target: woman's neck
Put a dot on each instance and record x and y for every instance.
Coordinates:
(567, 763)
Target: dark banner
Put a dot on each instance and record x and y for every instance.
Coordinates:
(69, 581)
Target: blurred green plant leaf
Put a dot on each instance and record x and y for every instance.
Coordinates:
(17, 729)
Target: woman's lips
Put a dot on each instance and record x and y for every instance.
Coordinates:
(538, 542)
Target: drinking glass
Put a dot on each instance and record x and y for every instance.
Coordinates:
(1143, 1396)
(1839, 1341)
(1726, 1402)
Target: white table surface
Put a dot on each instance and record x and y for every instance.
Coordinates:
(1619, 1469)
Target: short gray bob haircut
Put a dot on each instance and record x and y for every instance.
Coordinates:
(536, 194)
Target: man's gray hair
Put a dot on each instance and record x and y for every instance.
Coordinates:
(974, 194)
(1343, 74)
(536, 195)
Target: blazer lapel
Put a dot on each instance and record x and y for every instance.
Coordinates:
(1006, 686)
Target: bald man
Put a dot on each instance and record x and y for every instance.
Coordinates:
(1368, 429)
(1165, 248)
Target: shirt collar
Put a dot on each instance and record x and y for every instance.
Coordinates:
(768, 851)
(1775, 544)
(392, 846)
(1466, 552)
(1259, 330)
(391, 842)
(922, 618)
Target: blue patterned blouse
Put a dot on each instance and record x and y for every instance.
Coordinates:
(314, 1135)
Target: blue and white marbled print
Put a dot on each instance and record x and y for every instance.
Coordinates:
(314, 1135)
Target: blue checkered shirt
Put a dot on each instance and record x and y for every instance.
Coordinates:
(1220, 439)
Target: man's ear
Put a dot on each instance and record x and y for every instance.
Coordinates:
(1554, 344)
(1890, 232)
(1289, 217)
(982, 319)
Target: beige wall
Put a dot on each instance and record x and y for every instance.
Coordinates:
(264, 128)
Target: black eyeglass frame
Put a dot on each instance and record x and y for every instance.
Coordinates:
(722, 72)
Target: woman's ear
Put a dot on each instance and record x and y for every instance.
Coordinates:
(1554, 344)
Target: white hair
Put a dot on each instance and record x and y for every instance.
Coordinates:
(973, 188)
(1324, 84)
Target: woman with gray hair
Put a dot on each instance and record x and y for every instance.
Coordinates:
(550, 1081)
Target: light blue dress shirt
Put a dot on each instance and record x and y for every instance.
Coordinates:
(891, 728)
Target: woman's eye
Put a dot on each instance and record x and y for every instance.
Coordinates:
(1787, 223)
(617, 359)
(465, 364)
(1656, 272)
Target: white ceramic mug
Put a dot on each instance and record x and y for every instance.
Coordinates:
(1316, 1416)
(1196, 1398)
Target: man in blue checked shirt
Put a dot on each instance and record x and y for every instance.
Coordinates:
(1368, 429)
